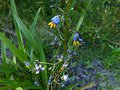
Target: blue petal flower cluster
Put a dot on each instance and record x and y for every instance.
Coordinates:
(54, 21)
(77, 39)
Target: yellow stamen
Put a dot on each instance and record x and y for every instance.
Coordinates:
(52, 25)
(49, 23)
(76, 43)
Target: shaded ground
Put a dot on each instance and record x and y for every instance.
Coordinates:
(83, 75)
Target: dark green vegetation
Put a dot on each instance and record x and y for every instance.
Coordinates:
(27, 40)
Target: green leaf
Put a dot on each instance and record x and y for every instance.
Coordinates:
(111, 47)
(35, 45)
(7, 69)
(92, 84)
(33, 30)
(4, 58)
(34, 24)
(12, 84)
(30, 85)
(19, 37)
(79, 23)
(8, 84)
(18, 53)
(24, 29)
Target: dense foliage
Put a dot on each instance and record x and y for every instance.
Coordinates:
(60, 44)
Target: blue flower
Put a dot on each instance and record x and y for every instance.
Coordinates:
(77, 39)
(76, 36)
(27, 64)
(54, 21)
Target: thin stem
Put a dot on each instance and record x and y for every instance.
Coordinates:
(46, 63)
(67, 26)
(60, 33)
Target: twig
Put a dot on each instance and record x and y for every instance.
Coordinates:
(113, 42)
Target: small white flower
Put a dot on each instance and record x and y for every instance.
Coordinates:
(61, 56)
(65, 77)
(65, 64)
(37, 71)
(38, 68)
(36, 65)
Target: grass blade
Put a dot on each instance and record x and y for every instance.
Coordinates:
(19, 54)
(79, 22)
(35, 45)
(23, 28)
(34, 24)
